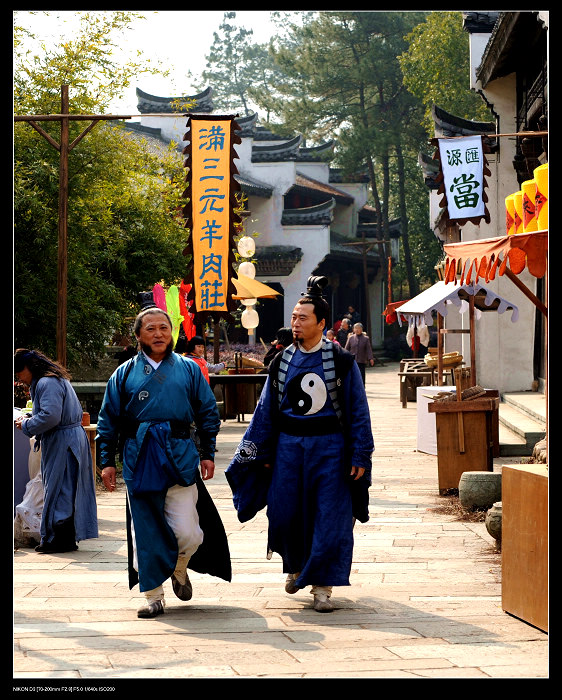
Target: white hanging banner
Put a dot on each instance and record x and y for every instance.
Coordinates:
(462, 162)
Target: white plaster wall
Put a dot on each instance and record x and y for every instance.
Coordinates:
(315, 244)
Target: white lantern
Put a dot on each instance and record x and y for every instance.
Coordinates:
(248, 269)
(250, 318)
(246, 247)
(249, 302)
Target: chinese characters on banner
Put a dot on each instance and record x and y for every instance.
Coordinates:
(462, 163)
(463, 169)
(209, 213)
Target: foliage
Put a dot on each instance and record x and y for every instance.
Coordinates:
(124, 232)
(436, 68)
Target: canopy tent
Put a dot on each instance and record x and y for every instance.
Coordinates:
(441, 297)
(485, 257)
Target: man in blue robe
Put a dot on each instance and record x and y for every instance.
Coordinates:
(306, 455)
(150, 403)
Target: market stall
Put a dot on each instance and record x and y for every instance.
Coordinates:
(440, 299)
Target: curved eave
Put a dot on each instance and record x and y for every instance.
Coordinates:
(447, 124)
(287, 150)
(320, 214)
(152, 103)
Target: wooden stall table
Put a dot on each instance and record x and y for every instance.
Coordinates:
(413, 373)
(465, 438)
(239, 391)
(525, 543)
(91, 433)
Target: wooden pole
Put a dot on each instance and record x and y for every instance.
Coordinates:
(64, 148)
(62, 259)
(472, 340)
(439, 349)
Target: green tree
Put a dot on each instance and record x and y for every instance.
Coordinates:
(124, 232)
(343, 78)
(436, 68)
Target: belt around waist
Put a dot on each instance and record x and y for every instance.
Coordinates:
(316, 425)
(179, 429)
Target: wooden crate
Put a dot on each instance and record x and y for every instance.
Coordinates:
(525, 543)
(465, 438)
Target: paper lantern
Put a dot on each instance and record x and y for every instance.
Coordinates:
(541, 197)
(249, 269)
(509, 215)
(246, 246)
(518, 201)
(529, 188)
(250, 318)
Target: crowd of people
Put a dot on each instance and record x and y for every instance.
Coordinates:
(305, 456)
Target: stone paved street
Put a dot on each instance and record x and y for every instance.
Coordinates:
(425, 599)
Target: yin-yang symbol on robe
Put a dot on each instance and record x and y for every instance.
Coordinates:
(306, 394)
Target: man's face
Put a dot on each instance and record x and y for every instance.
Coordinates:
(155, 336)
(306, 329)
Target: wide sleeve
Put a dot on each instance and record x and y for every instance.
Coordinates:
(206, 414)
(108, 420)
(361, 441)
(48, 397)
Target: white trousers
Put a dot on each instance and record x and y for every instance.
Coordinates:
(180, 511)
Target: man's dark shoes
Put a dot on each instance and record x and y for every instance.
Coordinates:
(290, 583)
(151, 609)
(183, 591)
(51, 548)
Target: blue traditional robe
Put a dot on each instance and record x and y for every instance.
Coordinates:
(66, 460)
(311, 434)
(153, 403)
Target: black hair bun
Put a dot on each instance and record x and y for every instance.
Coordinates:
(315, 286)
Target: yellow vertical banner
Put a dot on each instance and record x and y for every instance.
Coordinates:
(209, 213)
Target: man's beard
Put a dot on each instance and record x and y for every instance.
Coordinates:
(148, 350)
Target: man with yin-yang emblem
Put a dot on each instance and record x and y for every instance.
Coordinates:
(311, 464)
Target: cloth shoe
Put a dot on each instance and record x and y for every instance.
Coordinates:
(290, 583)
(151, 609)
(183, 591)
(322, 603)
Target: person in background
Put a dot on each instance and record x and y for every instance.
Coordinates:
(69, 509)
(343, 332)
(283, 338)
(353, 315)
(331, 335)
(195, 350)
(150, 403)
(359, 346)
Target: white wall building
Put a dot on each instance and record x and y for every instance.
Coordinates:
(306, 216)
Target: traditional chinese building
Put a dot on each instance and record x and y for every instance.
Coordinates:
(310, 220)
(508, 59)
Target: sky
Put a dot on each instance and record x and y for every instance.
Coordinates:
(180, 39)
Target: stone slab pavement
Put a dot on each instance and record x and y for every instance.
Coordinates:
(425, 599)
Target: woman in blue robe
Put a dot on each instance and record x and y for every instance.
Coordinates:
(69, 510)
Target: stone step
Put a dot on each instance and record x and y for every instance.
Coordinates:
(532, 403)
(522, 422)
